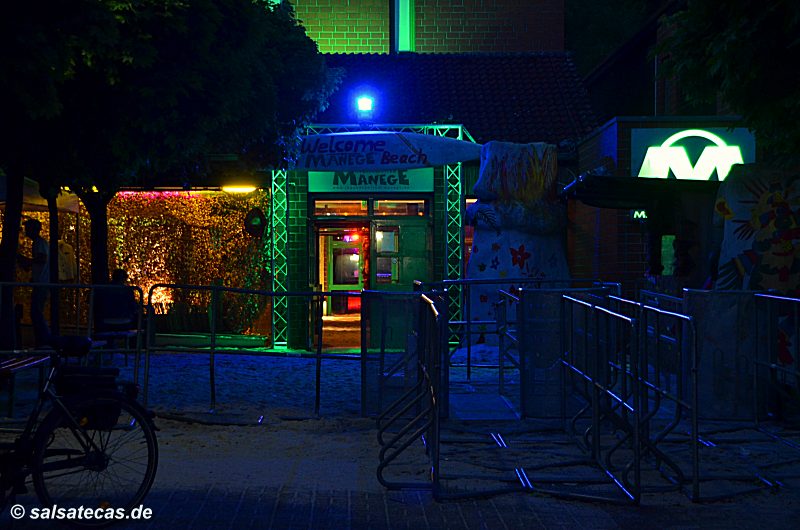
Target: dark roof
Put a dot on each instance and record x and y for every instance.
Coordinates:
(630, 193)
(519, 97)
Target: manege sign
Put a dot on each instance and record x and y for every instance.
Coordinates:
(713, 151)
(402, 180)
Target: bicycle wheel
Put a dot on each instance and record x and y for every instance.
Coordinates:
(104, 457)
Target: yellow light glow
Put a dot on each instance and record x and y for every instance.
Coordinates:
(238, 189)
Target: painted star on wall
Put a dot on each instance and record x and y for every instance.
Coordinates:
(519, 256)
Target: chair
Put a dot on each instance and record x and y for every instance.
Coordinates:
(114, 321)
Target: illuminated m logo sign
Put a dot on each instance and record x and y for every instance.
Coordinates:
(660, 160)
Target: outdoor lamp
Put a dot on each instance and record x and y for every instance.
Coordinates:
(364, 103)
(364, 106)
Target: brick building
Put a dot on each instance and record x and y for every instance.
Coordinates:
(433, 26)
(641, 238)
(477, 70)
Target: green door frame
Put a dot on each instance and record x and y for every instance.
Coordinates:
(331, 246)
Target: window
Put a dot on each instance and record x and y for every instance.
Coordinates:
(386, 270)
(346, 263)
(339, 208)
(412, 207)
(386, 259)
(386, 240)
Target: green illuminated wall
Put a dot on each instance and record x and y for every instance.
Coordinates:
(447, 26)
(436, 26)
(346, 26)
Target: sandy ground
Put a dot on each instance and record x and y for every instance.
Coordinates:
(330, 453)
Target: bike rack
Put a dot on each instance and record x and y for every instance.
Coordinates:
(415, 415)
(681, 445)
(603, 369)
(629, 406)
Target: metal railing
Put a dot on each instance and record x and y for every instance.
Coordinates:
(660, 300)
(778, 356)
(508, 337)
(312, 301)
(669, 391)
(389, 356)
(687, 450)
(466, 291)
(77, 313)
(196, 329)
(629, 400)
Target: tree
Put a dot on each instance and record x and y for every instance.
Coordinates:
(140, 92)
(230, 76)
(40, 41)
(746, 53)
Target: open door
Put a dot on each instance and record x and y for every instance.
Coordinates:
(341, 266)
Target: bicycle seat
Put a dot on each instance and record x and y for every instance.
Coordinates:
(71, 345)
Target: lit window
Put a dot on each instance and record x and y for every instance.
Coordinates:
(324, 208)
(404, 208)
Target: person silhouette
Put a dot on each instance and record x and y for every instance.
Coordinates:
(116, 308)
(39, 265)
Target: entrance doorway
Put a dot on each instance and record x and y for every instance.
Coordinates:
(385, 251)
(342, 256)
(382, 255)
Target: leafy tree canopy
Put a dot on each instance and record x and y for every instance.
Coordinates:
(113, 90)
(99, 94)
(746, 53)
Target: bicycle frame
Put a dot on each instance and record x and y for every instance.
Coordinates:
(23, 445)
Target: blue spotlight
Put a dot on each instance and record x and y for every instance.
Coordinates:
(364, 104)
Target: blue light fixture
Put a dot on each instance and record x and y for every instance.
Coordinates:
(365, 107)
(364, 103)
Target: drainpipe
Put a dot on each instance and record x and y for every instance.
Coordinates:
(394, 6)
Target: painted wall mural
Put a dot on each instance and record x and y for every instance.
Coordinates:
(758, 211)
(519, 223)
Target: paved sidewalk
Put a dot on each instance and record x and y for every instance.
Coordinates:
(312, 508)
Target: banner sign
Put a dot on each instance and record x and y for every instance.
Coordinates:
(416, 180)
(381, 151)
(689, 154)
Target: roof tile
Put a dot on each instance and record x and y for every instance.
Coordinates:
(517, 97)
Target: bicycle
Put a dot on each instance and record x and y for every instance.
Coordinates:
(95, 447)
